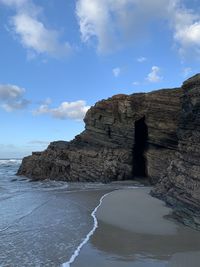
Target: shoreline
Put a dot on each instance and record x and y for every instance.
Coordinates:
(86, 239)
(43, 222)
(92, 231)
(102, 225)
(129, 234)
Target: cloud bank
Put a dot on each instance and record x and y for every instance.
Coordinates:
(12, 97)
(111, 23)
(66, 110)
(32, 32)
(107, 25)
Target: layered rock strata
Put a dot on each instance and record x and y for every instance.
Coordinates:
(180, 187)
(108, 149)
(156, 135)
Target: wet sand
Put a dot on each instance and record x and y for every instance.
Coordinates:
(135, 230)
(43, 224)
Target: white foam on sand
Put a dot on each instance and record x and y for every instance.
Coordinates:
(77, 251)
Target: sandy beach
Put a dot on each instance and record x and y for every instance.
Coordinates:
(136, 230)
(116, 224)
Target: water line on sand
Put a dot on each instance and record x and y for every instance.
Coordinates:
(86, 239)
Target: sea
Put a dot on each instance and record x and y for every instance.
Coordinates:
(59, 224)
(43, 223)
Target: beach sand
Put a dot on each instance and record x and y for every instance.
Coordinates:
(135, 230)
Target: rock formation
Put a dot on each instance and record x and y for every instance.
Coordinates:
(180, 187)
(154, 135)
(121, 133)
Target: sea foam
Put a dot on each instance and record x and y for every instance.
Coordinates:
(86, 239)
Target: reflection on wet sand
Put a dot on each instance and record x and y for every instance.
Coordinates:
(114, 245)
(127, 245)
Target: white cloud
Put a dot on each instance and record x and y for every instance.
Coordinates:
(116, 71)
(154, 76)
(185, 24)
(109, 24)
(15, 105)
(8, 92)
(188, 34)
(12, 97)
(66, 110)
(34, 35)
(31, 31)
(141, 59)
(189, 38)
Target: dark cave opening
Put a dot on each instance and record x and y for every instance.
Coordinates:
(141, 138)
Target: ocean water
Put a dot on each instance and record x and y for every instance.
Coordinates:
(43, 223)
(52, 224)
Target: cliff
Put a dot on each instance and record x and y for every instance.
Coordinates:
(125, 136)
(154, 136)
(180, 187)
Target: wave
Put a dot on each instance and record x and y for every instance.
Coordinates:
(86, 239)
(10, 161)
(95, 226)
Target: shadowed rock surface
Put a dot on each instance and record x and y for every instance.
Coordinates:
(156, 135)
(180, 187)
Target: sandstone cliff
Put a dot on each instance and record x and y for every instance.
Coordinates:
(125, 136)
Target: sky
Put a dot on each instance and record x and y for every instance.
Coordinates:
(59, 57)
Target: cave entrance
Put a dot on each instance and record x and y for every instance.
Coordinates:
(141, 137)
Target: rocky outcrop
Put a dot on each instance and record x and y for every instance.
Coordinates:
(156, 135)
(108, 149)
(180, 187)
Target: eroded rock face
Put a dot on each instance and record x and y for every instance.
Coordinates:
(106, 150)
(181, 185)
(158, 131)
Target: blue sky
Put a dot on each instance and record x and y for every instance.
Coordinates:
(57, 58)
